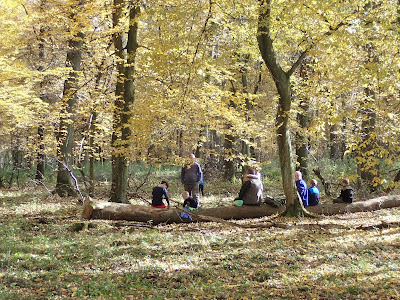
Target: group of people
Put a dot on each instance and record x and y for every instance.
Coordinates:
(310, 195)
(193, 183)
(251, 191)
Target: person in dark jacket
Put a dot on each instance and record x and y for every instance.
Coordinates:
(346, 193)
(159, 193)
(313, 193)
(251, 191)
(191, 176)
(189, 201)
(301, 187)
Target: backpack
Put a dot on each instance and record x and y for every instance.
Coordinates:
(274, 202)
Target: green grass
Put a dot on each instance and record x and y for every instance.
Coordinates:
(41, 257)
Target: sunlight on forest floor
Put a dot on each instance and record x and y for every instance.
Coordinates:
(44, 257)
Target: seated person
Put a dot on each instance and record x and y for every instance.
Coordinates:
(346, 193)
(251, 191)
(256, 175)
(189, 202)
(313, 193)
(301, 187)
(160, 192)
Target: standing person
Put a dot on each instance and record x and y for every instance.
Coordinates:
(251, 191)
(346, 193)
(301, 187)
(191, 177)
(201, 185)
(313, 193)
(160, 192)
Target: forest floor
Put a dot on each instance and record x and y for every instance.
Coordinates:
(45, 253)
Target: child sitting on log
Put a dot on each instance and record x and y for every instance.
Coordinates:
(159, 193)
(189, 202)
(313, 193)
(346, 194)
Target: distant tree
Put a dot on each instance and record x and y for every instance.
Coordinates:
(65, 135)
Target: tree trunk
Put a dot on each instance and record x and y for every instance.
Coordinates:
(17, 156)
(125, 97)
(123, 211)
(148, 214)
(40, 167)
(229, 161)
(303, 120)
(282, 82)
(368, 162)
(301, 141)
(333, 142)
(92, 152)
(118, 178)
(40, 155)
(65, 137)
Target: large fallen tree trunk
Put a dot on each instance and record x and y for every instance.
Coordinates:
(368, 205)
(129, 212)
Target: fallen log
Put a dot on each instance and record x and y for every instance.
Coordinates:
(148, 214)
(139, 213)
(359, 206)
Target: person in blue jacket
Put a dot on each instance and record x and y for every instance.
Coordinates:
(313, 193)
(301, 187)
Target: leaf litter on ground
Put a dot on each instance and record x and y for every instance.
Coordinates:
(327, 258)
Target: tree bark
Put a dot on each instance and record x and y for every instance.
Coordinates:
(92, 152)
(148, 214)
(367, 160)
(125, 97)
(40, 166)
(229, 160)
(303, 117)
(301, 141)
(65, 137)
(129, 212)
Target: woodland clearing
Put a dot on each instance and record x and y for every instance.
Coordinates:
(45, 256)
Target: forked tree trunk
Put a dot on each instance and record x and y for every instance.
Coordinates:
(282, 82)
